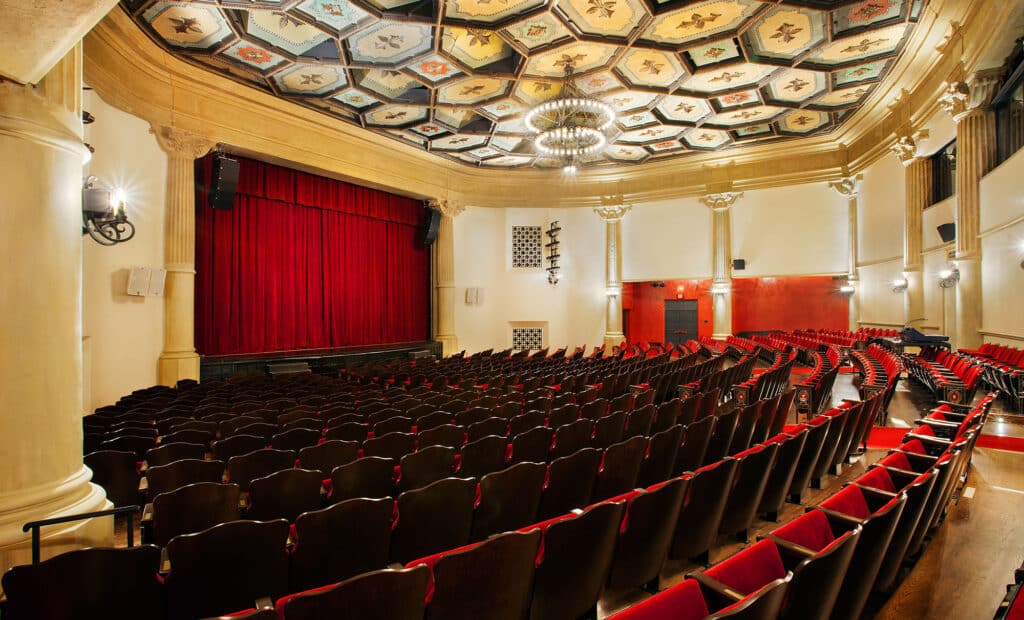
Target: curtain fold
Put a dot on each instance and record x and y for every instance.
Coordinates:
(306, 262)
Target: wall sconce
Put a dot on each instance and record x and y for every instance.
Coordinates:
(613, 291)
(104, 214)
(847, 289)
(720, 288)
(899, 285)
(554, 271)
(949, 277)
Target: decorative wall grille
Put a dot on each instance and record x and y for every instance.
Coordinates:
(531, 338)
(526, 247)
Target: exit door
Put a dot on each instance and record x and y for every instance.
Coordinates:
(680, 320)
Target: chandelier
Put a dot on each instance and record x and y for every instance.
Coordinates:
(570, 126)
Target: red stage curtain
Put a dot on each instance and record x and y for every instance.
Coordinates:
(306, 262)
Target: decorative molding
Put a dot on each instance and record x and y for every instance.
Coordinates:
(998, 334)
(962, 98)
(722, 201)
(178, 142)
(847, 187)
(448, 208)
(612, 213)
(910, 146)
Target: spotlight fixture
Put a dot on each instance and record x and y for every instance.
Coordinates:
(87, 119)
(949, 277)
(899, 285)
(104, 214)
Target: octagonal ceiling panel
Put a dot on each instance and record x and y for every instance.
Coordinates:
(713, 74)
(650, 68)
(700, 21)
(785, 33)
(607, 19)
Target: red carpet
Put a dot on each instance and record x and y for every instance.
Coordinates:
(885, 437)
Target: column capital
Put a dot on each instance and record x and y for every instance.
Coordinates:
(963, 98)
(909, 146)
(448, 208)
(722, 201)
(847, 187)
(612, 213)
(178, 142)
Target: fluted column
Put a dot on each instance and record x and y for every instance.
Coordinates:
(976, 150)
(918, 197)
(849, 188)
(444, 276)
(612, 216)
(721, 260)
(41, 470)
(179, 359)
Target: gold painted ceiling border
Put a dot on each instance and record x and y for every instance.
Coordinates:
(132, 73)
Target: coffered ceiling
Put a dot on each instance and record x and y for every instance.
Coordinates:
(456, 77)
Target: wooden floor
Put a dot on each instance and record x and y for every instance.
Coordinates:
(962, 573)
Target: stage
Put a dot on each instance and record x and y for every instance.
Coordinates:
(321, 361)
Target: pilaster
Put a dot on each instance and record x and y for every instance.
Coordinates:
(721, 260)
(849, 188)
(612, 216)
(444, 275)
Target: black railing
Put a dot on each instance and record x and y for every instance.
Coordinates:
(35, 525)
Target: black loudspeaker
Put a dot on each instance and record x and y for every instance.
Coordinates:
(739, 264)
(223, 182)
(430, 225)
(947, 231)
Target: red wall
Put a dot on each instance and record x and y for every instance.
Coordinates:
(645, 319)
(761, 304)
(758, 304)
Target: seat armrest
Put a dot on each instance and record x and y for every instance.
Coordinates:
(717, 589)
(866, 490)
(896, 471)
(939, 423)
(838, 520)
(147, 513)
(956, 407)
(264, 602)
(793, 555)
(935, 441)
(922, 461)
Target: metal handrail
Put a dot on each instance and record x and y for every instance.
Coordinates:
(35, 525)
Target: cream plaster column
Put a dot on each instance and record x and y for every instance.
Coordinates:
(918, 197)
(41, 471)
(975, 146)
(849, 188)
(721, 260)
(444, 276)
(179, 359)
(612, 216)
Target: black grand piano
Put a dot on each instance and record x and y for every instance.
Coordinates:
(911, 337)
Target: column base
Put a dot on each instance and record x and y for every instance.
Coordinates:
(721, 336)
(177, 366)
(449, 345)
(73, 495)
(613, 339)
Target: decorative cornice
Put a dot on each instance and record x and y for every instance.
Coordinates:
(910, 146)
(847, 187)
(612, 213)
(722, 201)
(962, 98)
(180, 143)
(448, 208)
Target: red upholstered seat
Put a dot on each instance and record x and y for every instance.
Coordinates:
(680, 602)
(811, 530)
(915, 446)
(897, 460)
(751, 569)
(849, 501)
(878, 478)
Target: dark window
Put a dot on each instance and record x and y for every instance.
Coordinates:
(944, 173)
(1009, 109)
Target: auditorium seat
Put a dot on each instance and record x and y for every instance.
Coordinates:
(425, 466)
(284, 494)
(694, 445)
(492, 579)
(783, 469)
(237, 445)
(166, 478)
(577, 556)
(683, 601)
(116, 472)
(245, 468)
(295, 439)
(566, 414)
(609, 430)
(818, 558)
(396, 424)
(117, 584)
(169, 452)
(570, 483)
(745, 424)
(137, 445)
(839, 419)
(341, 541)
(645, 535)
(667, 415)
(708, 404)
(435, 518)
(765, 418)
(489, 426)
(370, 476)
(226, 567)
(525, 422)
(751, 584)
(817, 431)
(620, 468)
(193, 508)
(533, 445)
(745, 490)
(661, 456)
(188, 436)
(721, 436)
(378, 595)
(509, 499)
(595, 409)
(433, 420)
(448, 435)
(392, 445)
(572, 437)
(702, 510)
(324, 457)
(347, 431)
(263, 430)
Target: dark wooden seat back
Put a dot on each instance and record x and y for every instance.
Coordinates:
(472, 415)
(243, 469)
(752, 470)
(435, 518)
(667, 415)
(136, 444)
(396, 424)
(448, 435)
(525, 422)
(765, 417)
(571, 438)
(533, 445)
(116, 472)
(816, 434)
(193, 508)
(595, 409)
(697, 526)
(577, 557)
(392, 445)
(237, 445)
(229, 427)
(226, 568)
(324, 457)
(166, 478)
(483, 456)
(492, 580)
(341, 541)
(745, 423)
(378, 595)
(643, 543)
(609, 429)
(295, 439)
(284, 494)
(370, 476)
(263, 430)
(566, 414)
(620, 469)
(817, 580)
(639, 421)
(348, 431)
(426, 466)
(483, 428)
(661, 456)
(509, 499)
(721, 436)
(433, 420)
(917, 497)
(169, 452)
(694, 444)
(570, 483)
(781, 476)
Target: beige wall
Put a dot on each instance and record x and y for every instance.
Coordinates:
(668, 240)
(879, 306)
(880, 211)
(1002, 225)
(122, 334)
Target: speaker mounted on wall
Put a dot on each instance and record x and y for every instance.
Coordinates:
(739, 264)
(223, 182)
(947, 231)
(431, 223)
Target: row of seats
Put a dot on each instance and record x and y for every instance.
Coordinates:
(772, 381)
(951, 377)
(1004, 370)
(879, 369)
(723, 379)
